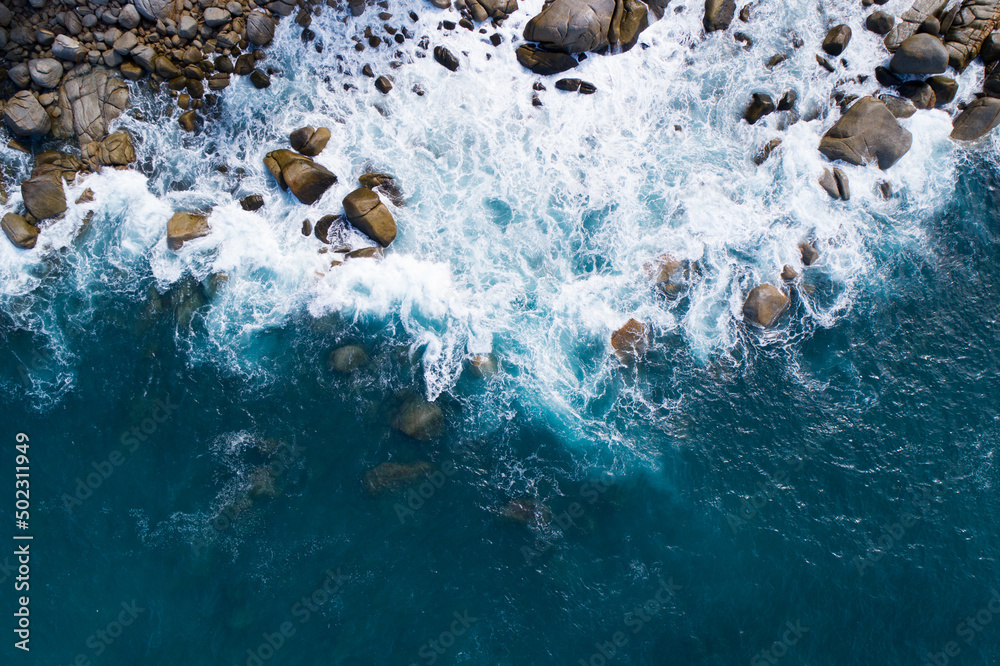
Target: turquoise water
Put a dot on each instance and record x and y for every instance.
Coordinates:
(819, 494)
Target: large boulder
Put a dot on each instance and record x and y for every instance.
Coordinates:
(19, 231)
(911, 20)
(157, 10)
(309, 140)
(45, 72)
(43, 194)
(866, 132)
(764, 305)
(575, 26)
(184, 227)
(259, 29)
(115, 150)
(89, 99)
(306, 179)
(718, 14)
(978, 118)
(69, 49)
(544, 62)
(25, 116)
(837, 39)
(920, 54)
(419, 419)
(370, 216)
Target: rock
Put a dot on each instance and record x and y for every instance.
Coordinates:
(306, 179)
(259, 29)
(930, 26)
(131, 71)
(347, 359)
(25, 116)
(977, 119)
(900, 107)
(215, 17)
(760, 105)
(155, 10)
(788, 273)
(886, 78)
(527, 511)
(630, 341)
(259, 79)
(393, 476)
(86, 197)
(187, 27)
(89, 99)
(188, 121)
(809, 253)
(19, 75)
(575, 26)
(115, 150)
(764, 305)
(945, 88)
(918, 92)
(837, 40)
(184, 227)
(766, 151)
(718, 14)
(972, 24)
(124, 44)
(445, 58)
(879, 22)
(788, 100)
(45, 72)
(910, 21)
(375, 252)
(44, 196)
(164, 67)
(867, 131)
(544, 62)
(420, 420)
(128, 17)
(309, 141)
(825, 64)
(19, 232)
(587, 88)
(920, 54)
(495, 9)
(252, 202)
(990, 50)
(383, 85)
(384, 183)
(323, 227)
(667, 273)
(370, 216)
(67, 48)
(829, 183)
(569, 85)
(483, 365)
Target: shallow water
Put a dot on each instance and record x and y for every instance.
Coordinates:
(835, 473)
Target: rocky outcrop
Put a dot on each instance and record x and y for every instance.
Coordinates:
(576, 26)
(910, 20)
(866, 132)
(309, 140)
(498, 10)
(307, 180)
(184, 227)
(19, 231)
(114, 150)
(978, 118)
(920, 54)
(544, 62)
(89, 99)
(972, 25)
(43, 192)
(630, 341)
(764, 305)
(370, 216)
(25, 116)
(527, 511)
(420, 420)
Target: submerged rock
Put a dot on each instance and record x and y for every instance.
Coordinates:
(764, 305)
(760, 105)
(978, 118)
(307, 180)
(866, 132)
(370, 216)
(348, 358)
(667, 273)
(392, 476)
(483, 365)
(420, 420)
(630, 341)
(19, 232)
(527, 511)
(184, 227)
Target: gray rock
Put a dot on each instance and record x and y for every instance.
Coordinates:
(89, 99)
(187, 27)
(718, 14)
(20, 75)
(572, 26)
(918, 92)
(128, 17)
(144, 56)
(879, 22)
(67, 48)
(215, 17)
(125, 43)
(45, 72)
(910, 20)
(970, 28)
(259, 29)
(19, 232)
(920, 54)
(990, 50)
(25, 116)
(6, 15)
(157, 10)
(978, 118)
(866, 132)
(370, 216)
(900, 107)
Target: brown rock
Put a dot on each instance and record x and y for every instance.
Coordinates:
(19, 232)
(305, 178)
(309, 141)
(420, 420)
(764, 305)
(184, 227)
(370, 216)
(630, 341)
(44, 196)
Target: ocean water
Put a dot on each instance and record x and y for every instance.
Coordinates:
(820, 493)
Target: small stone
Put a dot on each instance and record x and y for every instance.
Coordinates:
(252, 202)
(383, 85)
